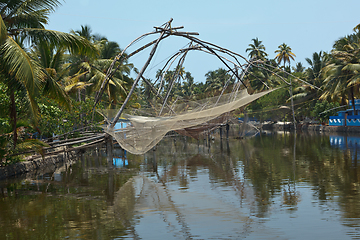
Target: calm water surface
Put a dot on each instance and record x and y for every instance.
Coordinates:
(275, 186)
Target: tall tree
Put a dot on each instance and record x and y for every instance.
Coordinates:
(284, 54)
(343, 72)
(24, 20)
(256, 49)
(299, 68)
(217, 80)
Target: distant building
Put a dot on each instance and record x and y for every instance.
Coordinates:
(347, 117)
(121, 123)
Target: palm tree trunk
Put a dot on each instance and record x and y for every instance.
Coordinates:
(13, 116)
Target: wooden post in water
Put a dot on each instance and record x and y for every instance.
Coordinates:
(227, 130)
(109, 149)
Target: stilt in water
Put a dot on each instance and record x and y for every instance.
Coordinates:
(109, 149)
(221, 131)
(227, 130)
(154, 160)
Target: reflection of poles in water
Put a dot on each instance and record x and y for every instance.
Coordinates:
(209, 137)
(294, 159)
(291, 196)
(355, 163)
(209, 141)
(198, 142)
(221, 145)
(185, 229)
(109, 150)
(97, 156)
(236, 182)
(221, 131)
(185, 144)
(111, 193)
(227, 147)
(227, 130)
(205, 139)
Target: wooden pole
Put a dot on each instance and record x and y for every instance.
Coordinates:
(138, 77)
(292, 105)
(172, 81)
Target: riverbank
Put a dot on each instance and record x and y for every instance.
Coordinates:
(40, 165)
(57, 155)
(314, 128)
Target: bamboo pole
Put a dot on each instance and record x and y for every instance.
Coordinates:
(292, 105)
(155, 92)
(179, 66)
(68, 150)
(118, 58)
(138, 77)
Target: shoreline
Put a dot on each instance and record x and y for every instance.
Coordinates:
(34, 167)
(313, 128)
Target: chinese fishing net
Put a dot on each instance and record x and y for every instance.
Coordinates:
(138, 134)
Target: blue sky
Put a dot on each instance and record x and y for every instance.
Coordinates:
(307, 26)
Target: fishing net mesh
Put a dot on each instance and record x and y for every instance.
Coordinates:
(142, 133)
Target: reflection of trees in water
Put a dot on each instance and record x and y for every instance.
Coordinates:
(334, 175)
(181, 165)
(259, 169)
(72, 203)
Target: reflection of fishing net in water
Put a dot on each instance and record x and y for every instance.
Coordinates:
(143, 197)
(192, 118)
(167, 213)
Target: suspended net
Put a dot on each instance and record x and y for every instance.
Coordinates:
(138, 134)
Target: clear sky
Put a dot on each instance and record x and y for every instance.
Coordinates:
(307, 26)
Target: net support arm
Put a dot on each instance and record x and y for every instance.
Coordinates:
(168, 25)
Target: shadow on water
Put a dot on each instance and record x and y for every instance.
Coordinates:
(262, 187)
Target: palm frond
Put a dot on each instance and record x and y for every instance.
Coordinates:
(54, 90)
(3, 31)
(21, 70)
(20, 65)
(31, 144)
(72, 42)
(76, 86)
(352, 67)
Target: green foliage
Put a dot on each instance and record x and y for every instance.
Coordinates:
(264, 108)
(322, 110)
(9, 153)
(56, 120)
(256, 49)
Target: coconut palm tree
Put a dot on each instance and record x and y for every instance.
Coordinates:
(217, 80)
(80, 67)
(52, 60)
(23, 21)
(314, 75)
(284, 54)
(343, 72)
(88, 72)
(299, 68)
(256, 49)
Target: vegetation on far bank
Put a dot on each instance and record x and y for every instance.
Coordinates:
(49, 79)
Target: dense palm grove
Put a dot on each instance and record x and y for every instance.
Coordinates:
(49, 79)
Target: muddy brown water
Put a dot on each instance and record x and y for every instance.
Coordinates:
(273, 186)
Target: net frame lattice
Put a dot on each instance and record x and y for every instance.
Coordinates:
(142, 133)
